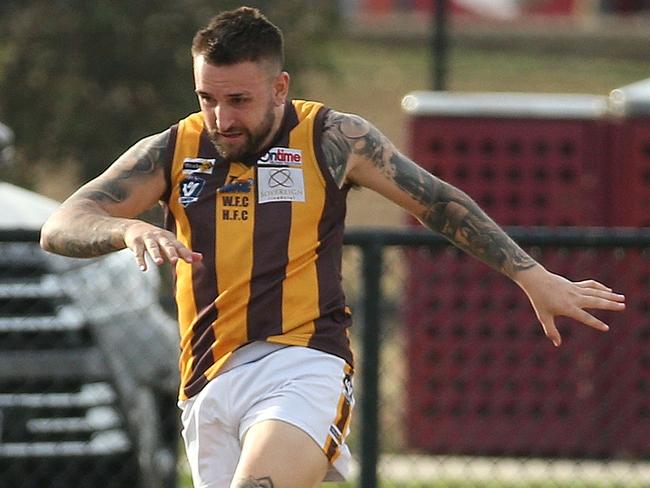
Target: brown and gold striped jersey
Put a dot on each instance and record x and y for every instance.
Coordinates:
(271, 236)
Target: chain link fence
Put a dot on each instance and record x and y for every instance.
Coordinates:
(469, 391)
(456, 385)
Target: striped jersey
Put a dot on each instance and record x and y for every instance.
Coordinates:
(271, 235)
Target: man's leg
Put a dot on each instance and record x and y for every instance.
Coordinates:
(276, 454)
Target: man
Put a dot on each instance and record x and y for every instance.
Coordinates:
(254, 187)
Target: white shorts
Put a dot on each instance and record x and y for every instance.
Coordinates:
(309, 389)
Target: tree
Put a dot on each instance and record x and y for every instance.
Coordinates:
(80, 81)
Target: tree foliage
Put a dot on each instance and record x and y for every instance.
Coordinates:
(80, 81)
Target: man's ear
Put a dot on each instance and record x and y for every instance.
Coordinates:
(281, 88)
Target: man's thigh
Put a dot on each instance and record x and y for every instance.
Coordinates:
(276, 454)
(308, 391)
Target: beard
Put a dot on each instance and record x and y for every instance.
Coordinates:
(248, 150)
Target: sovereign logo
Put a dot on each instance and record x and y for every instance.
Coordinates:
(198, 165)
(280, 178)
(280, 185)
(281, 156)
(190, 189)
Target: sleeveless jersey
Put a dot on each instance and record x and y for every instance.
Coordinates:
(271, 235)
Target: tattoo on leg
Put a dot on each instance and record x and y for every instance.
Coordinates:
(251, 482)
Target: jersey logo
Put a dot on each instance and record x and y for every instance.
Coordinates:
(280, 185)
(237, 186)
(190, 189)
(348, 389)
(198, 165)
(281, 156)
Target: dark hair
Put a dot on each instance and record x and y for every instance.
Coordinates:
(244, 34)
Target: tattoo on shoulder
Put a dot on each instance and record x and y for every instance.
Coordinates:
(143, 159)
(251, 482)
(346, 134)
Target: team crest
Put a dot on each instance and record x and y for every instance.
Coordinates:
(190, 189)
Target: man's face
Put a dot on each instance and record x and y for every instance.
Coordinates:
(242, 105)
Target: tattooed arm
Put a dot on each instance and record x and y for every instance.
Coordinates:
(357, 153)
(100, 217)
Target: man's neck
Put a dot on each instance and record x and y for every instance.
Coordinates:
(277, 124)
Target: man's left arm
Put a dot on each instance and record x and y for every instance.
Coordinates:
(357, 153)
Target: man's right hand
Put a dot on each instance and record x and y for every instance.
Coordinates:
(161, 245)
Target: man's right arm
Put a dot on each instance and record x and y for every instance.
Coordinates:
(100, 217)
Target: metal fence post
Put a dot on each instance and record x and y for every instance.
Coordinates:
(439, 44)
(371, 328)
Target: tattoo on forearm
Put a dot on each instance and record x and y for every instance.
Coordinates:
(87, 249)
(456, 216)
(251, 482)
(83, 249)
(89, 236)
(448, 210)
